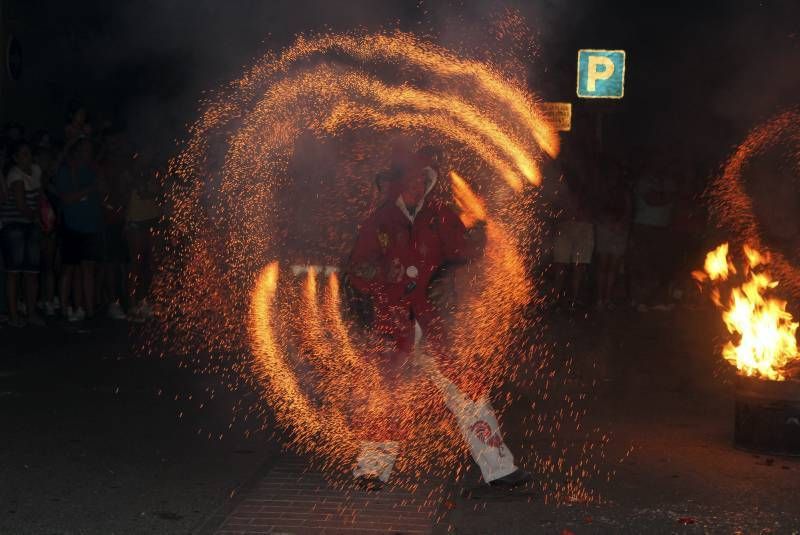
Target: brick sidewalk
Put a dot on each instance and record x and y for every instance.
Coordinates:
(289, 500)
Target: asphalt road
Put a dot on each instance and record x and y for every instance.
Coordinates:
(98, 440)
(667, 404)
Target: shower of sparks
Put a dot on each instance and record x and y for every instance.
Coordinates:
(277, 171)
(733, 208)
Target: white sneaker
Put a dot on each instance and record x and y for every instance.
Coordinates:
(77, 315)
(145, 309)
(115, 311)
(135, 314)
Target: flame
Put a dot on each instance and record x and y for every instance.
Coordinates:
(472, 209)
(717, 264)
(765, 331)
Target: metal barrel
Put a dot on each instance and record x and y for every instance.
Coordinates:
(767, 416)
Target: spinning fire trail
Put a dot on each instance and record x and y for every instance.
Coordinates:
(278, 172)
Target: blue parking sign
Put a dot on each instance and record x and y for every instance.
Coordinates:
(601, 73)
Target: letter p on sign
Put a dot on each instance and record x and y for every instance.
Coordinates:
(601, 73)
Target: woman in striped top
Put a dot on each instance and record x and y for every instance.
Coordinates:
(20, 234)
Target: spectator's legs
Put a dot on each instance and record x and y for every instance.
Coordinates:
(3, 291)
(100, 284)
(582, 251)
(560, 280)
(147, 265)
(650, 264)
(77, 288)
(111, 292)
(562, 257)
(33, 261)
(604, 278)
(13, 241)
(614, 264)
(65, 287)
(141, 257)
(48, 268)
(136, 249)
(641, 272)
(578, 274)
(87, 274)
(31, 292)
(106, 283)
(12, 284)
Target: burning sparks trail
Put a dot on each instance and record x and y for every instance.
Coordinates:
(765, 344)
(754, 198)
(278, 171)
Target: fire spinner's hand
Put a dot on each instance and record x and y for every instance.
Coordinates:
(410, 287)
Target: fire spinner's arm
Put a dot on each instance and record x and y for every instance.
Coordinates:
(459, 243)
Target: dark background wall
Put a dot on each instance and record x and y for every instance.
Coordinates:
(700, 74)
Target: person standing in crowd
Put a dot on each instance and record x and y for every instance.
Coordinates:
(574, 241)
(142, 219)
(688, 231)
(114, 180)
(611, 235)
(654, 196)
(21, 233)
(77, 126)
(13, 133)
(45, 159)
(3, 197)
(77, 187)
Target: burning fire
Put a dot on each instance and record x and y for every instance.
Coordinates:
(472, 209)
(766, 343)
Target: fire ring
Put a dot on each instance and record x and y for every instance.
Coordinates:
(732, 208)
(230, 290)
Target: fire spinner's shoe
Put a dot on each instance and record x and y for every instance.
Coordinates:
(370, 483)
(514, 479)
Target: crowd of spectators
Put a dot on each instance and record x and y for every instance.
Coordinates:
(77, 215)
(624, 234)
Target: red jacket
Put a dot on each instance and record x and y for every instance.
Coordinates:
(395, 257)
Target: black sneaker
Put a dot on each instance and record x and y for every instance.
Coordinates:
(370, 483)
(514, 479)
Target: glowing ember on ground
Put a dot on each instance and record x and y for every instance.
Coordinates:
(765, 343)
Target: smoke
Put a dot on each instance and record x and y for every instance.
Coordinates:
(758, 55)
(147, 64)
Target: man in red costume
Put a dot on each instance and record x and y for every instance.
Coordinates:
(399, 249)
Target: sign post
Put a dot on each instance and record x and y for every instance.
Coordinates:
(601, 74)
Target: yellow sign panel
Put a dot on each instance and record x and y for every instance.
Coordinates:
(558, 114)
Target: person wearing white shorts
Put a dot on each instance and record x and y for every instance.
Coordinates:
(573, 245)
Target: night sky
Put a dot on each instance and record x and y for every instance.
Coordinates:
(699, 74)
